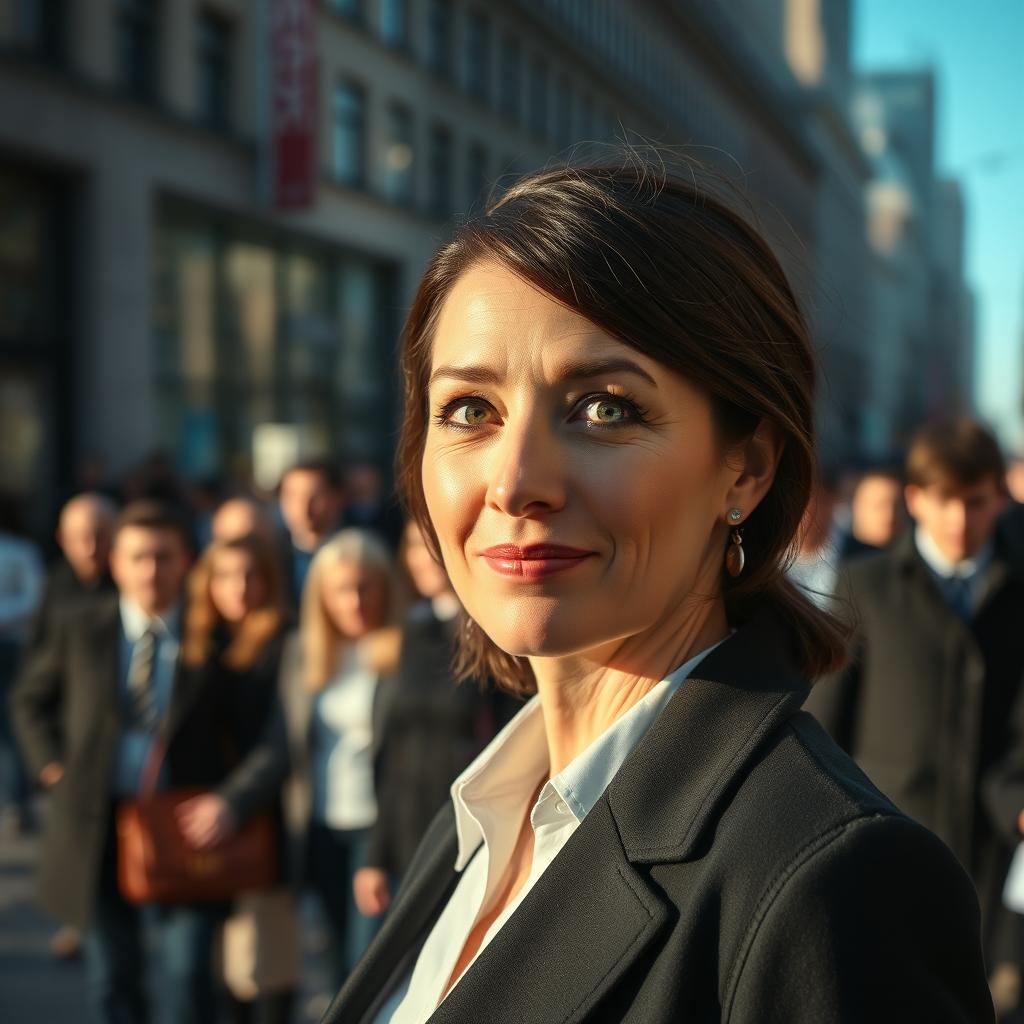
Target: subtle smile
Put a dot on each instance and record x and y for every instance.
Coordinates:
(535, 561)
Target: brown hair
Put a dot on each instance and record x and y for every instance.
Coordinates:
(202, 617)
(150, 514)
(955, 453)
(671, 270)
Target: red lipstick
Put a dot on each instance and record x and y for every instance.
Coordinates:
(533, 561)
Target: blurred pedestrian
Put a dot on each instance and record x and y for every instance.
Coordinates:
(877, 511)
(330, 678)
(241, 516)
(311, 502)
(89, 705)
(83, 570)
(234, 631)
(21, 590)
(429, 729)
(924, 706)
(81, 574)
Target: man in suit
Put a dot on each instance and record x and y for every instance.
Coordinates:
(311, 502)
(81, 574)
(938, 659)
(89, 706)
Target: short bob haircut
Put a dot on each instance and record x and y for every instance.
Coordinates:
(671, 270)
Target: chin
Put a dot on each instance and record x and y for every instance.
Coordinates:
(545, 632)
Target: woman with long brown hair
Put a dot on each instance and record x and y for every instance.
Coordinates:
(609, 442)
(234, 631)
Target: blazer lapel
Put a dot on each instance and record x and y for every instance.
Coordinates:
(429, 883)
(615, 911)
(106, 648)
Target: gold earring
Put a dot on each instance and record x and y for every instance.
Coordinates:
(735, 558)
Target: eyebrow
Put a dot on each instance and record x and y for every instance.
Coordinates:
(574, 371)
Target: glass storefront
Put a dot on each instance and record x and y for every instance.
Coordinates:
(34, 346)
(255, 329)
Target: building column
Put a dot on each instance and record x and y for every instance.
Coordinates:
(116, 380)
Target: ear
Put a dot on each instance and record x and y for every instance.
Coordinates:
(757, 461)
(912, 495)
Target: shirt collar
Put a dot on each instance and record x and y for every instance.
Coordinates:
(942, 566)
(502, 778)
(135, 621)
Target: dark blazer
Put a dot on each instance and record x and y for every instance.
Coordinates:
(67, 708)
(426, 730)
(63, 592)
(738, 868)
(925, 706)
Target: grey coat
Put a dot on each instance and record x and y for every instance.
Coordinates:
(739, 868)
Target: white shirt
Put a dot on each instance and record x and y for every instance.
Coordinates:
(490, 798)
(343, 795)
(974, 571)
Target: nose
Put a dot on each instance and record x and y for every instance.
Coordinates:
(526, 471)
(957, 516)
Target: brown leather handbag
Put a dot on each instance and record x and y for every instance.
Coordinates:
(156, 864)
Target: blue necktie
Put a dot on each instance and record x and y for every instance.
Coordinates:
(958, 594)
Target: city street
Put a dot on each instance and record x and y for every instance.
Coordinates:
(34, 987)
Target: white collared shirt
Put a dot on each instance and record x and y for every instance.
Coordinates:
(490, 798)
(974, 571)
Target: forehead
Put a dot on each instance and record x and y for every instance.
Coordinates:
(149, 538)
(493, 316)
(949, 490)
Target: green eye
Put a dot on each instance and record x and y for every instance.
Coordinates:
(469, 415)
(604, 411)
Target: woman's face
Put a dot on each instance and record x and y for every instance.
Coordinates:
(576, 486)
(428, 577)
(355, 597)
(237, 587)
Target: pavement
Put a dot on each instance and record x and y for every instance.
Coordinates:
(35, 988)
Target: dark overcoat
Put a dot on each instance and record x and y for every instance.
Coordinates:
(739, 867)
(925, 706)
(67, 708)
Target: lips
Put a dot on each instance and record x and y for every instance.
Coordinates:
(533, 561)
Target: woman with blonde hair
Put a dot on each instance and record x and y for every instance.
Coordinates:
(344, 644)
(234, 631)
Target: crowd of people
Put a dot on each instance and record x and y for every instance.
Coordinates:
(292, 659)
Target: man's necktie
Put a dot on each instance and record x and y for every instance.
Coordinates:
(141, 701)
(959, 591)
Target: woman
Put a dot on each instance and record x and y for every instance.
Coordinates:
(429, 729)
(343, 646)
(233, 635)
(609, 442)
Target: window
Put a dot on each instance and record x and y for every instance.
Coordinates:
(510, 78)
(348, 123)
(538, 90)
(439, 37)
(477, 54)
(40, 28)
(440, 162)
(136, 46)
(394, 23)
(476, 174)
(214, 63)
(352, 10)
(398, 156)
(563, 112)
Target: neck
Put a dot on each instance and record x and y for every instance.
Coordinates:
(583, 695)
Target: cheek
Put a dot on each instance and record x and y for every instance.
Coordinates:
(454, 488)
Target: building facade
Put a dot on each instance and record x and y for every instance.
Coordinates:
(154, 295)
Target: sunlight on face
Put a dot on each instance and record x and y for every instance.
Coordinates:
(575, 485)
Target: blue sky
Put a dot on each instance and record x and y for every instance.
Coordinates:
(976, 48)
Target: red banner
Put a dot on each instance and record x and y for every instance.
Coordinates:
(293, 101)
